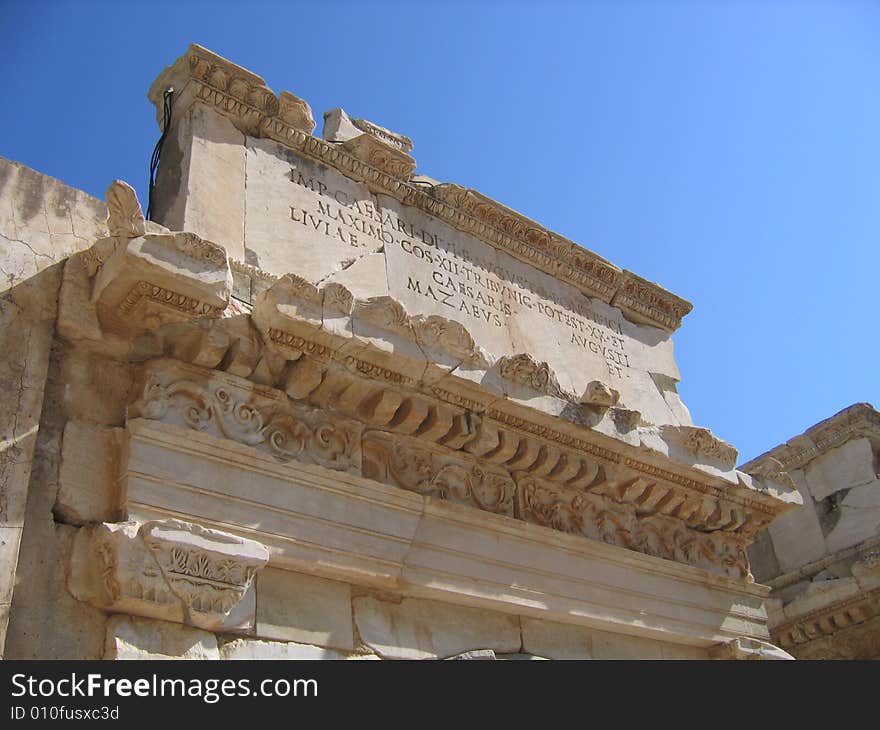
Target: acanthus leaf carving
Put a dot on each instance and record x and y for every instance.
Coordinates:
(125, 218)
(168, 569)
(384, 312)
(449, 336)
(405, 463)
(599, 517)
(284, 430)
(525, 370)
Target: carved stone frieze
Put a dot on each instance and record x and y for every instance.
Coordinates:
(412, 465)
(842, 630)
(597, 516)
(168, 569)
(250, 416)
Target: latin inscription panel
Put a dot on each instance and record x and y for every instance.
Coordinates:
(313, 221)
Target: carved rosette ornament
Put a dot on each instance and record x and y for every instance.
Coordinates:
(167, 569)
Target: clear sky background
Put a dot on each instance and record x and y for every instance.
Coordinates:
(729, 151)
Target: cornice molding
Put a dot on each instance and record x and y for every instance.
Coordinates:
(860, 419)
(828, 620)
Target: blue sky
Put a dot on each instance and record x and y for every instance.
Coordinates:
(728, 151)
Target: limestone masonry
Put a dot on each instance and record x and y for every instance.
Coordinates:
(823, 560)
(325, 407)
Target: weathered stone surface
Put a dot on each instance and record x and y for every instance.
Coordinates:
(42, 220)
(564, 641)
(821, 558)
(820, 593)
(305, 218)
(304, 609)
(9, 541)
(556, 641)
(200, 186)
(46, 622)
(339, 127)
(849, 465)
(749, 649)
(475, 655)
(418, 629)
(159, 278)
(167, 569)
(88, 489)
(797, 536)
(859, 517)
(27, 313)
(405, 365)
(140, 638)
(98, 389)
(258, 649)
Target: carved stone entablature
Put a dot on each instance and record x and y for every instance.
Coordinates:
(243, 96)
(155, 279)
(268, 420)
(258, 417)
(702, 443)
(378, 154)
(651, 529)
(412, 465)
(364, 384)
(167, 569)
(858, 617)
(858, 420)
(528, 372)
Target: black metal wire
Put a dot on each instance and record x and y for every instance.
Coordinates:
(167, 102)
